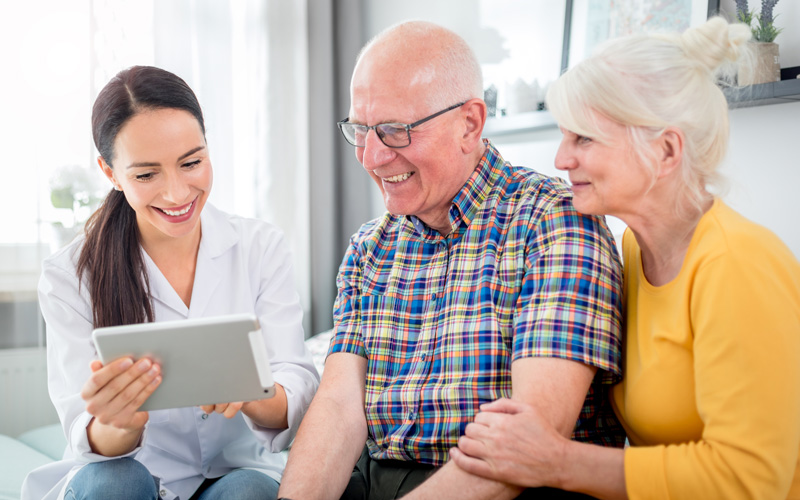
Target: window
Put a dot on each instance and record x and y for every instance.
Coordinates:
(58, 57)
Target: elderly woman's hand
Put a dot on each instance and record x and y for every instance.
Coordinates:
(510, 441)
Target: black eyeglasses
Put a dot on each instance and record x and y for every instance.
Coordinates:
(393, 135)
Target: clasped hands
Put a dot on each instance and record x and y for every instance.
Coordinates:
(511, 442)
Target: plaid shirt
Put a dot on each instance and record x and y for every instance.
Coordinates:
(441, 318)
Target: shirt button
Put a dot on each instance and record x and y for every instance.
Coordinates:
(162, 493)
(412, 414)
(424, 357)
(433, 297)
(205, 416)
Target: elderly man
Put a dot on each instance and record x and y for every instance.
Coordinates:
(480, 282)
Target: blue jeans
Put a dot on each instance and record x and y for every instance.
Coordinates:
(123, 478)
(128, 479)
(239, 484)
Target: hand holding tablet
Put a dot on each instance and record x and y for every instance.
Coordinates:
(203, 361)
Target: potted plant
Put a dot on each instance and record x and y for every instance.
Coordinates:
(76, 193)
(765, 66)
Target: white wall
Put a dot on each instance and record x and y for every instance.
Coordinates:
(762, 165)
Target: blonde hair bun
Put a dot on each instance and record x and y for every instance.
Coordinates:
(715, 42)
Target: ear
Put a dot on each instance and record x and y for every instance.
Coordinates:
(108, 172)
(670, 151)
(474, 119)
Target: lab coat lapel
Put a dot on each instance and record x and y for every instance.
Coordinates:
(161, 290)
(218, 237)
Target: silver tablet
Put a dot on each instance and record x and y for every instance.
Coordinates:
(203, 361)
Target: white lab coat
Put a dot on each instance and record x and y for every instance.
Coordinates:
(243, 266)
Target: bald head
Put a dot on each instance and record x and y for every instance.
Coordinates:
(433, 60)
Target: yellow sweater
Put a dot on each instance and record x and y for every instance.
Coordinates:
(711, 394)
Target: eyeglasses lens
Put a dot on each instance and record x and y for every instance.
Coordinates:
(392, 135)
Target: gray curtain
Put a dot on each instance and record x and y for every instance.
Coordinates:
(340, 190)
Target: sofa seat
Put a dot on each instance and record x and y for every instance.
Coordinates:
(29, 450)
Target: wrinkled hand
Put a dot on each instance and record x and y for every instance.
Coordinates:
(229, 410)
(114, 392)
(511, 442)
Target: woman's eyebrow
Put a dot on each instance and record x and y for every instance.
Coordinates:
(190, 152)
(156, 164)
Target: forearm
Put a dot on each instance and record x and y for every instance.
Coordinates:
(110, 441)
(328, 445)
(269, 413)
(595, 470)
(451, 482)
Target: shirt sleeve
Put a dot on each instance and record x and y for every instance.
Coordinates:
(745, 315)
(570, 302)
(347, 307)
(280, 313)
(66, 308)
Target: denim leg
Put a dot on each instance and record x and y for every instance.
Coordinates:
(121, 478)
(242, 484)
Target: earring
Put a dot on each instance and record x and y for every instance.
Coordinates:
(117, 188)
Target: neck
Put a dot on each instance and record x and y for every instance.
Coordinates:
(160, 245)
(664, 235)
(441, 222)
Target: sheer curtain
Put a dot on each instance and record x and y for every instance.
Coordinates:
(247, 61)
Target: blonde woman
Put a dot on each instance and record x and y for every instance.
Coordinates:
(711, 391)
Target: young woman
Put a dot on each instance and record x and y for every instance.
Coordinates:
(157, 251)
(711, 392)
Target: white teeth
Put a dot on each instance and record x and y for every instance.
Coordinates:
(174, 213)
(398, 178)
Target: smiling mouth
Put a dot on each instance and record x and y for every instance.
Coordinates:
(177, 213)
(398, 178)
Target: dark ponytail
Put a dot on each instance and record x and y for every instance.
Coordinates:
(111, 257)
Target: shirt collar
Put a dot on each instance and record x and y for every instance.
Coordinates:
(219, 235)
(471, 197)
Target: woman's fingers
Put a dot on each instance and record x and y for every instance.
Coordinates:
(470, 464)
(505, 405)
(103, 375)
(472, 446)
(228, 410)
(114, 393)
(232, 410)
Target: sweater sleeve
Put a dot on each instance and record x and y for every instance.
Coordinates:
(745, 316)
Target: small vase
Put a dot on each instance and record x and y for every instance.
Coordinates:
(764, 67)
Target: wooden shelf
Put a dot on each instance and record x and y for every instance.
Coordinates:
(738, 97)
(764, 94)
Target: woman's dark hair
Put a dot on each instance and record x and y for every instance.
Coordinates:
(111, 257)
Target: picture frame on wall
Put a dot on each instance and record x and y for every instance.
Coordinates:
(590, 22)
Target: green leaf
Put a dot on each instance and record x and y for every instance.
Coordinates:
(61, 197)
